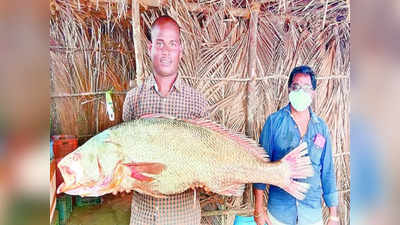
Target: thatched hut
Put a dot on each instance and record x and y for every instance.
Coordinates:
(238, 53)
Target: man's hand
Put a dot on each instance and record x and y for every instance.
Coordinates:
(333, 219)
(260, 217)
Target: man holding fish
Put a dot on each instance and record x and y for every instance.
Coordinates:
(165, 93)
(166, 157)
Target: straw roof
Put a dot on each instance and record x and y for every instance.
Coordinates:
(237, 53)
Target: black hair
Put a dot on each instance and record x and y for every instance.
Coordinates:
(304, 70)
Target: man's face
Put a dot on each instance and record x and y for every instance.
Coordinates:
(165, 49)
(302, 81)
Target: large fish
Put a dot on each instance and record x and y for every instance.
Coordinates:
(158, 156)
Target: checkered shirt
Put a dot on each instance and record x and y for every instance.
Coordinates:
(182, 102)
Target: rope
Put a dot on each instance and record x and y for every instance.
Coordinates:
(202, 78)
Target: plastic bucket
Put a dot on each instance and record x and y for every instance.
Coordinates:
(244, 220)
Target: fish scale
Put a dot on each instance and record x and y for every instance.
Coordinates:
(159, 156)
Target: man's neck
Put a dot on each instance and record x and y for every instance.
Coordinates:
(299, 115)
(164, 84)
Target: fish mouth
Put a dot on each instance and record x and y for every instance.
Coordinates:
(68, 177)
(63, 188)
(73, 185)
(68, 186)
(71, 190)
(79, 189)
(90, 189)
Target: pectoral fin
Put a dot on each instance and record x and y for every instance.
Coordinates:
(137, 170)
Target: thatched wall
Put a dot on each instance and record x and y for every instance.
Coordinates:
(237, 53)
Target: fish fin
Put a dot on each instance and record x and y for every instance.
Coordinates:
(246, 143)
(147, 167)
(137, 170)
(233, 190)
(157, 115)
(297, 189)
(143, 190)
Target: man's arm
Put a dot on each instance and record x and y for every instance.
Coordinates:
(328, 180)
(127, 109)
(265, 141)
(260, 216)
(333, 218)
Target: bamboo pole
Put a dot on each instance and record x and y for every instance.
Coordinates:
(71, 50)
(191, 6)
(251, 106)
(325, 11)
(136, 40)
(65, 95)
(226, 212)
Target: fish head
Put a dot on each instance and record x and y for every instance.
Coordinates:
(85, 170)
(75, 169)
(71, 168)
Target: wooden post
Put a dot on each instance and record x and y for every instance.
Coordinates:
(251, 85)
(233, 212)
(136, 40)
(251, 106)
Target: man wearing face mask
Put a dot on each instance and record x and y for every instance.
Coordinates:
(283, 131)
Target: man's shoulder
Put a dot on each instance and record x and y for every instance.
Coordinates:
(191, 91)
(321, 122)
(281, 113)
(134, 91)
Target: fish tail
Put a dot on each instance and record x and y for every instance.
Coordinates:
(297, 166)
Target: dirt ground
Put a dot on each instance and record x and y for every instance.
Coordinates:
(115, 210)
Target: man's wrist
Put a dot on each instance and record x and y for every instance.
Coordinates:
(257, 214)
(259, 211)
(334, 218)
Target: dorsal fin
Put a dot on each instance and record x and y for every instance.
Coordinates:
(247, 143)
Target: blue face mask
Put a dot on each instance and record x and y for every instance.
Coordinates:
(300, 100)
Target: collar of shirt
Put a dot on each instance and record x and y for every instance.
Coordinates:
(177, 85)
(313, 117)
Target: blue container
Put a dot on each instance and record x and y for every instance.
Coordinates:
(62, 208)
(51, 150)
(244, 220)
(69, 204)
(87, 201)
